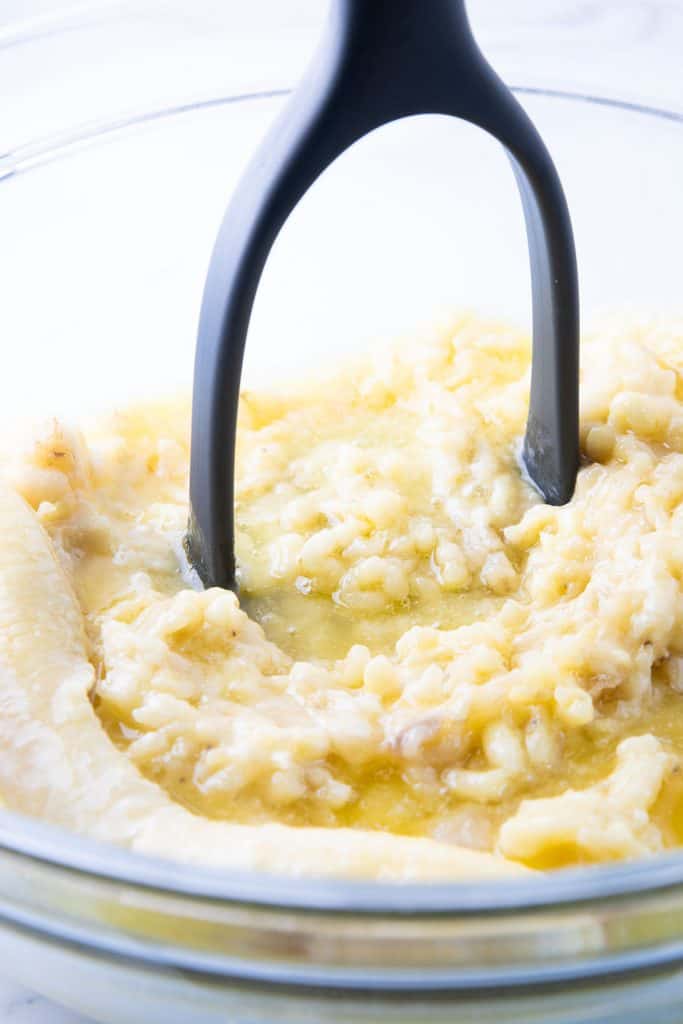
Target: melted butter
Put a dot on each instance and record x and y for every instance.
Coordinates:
(310, 627)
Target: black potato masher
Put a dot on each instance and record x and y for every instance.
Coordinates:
(379, 61)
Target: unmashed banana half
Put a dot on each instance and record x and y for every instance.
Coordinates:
(428, 673)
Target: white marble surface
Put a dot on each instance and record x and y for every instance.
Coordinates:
(21, 1007)
(628, 48)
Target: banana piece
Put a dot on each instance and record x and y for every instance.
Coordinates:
(58, 764)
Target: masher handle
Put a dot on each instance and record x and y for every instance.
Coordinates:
(379, 61)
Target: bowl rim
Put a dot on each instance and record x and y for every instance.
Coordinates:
(48, 148)
(53, 847)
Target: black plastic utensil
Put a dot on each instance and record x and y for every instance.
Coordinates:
(379, 61)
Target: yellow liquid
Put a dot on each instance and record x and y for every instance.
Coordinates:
(310, 627)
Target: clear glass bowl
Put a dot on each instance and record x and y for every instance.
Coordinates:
(107, 230)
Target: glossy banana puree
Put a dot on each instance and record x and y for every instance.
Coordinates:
(428, 672)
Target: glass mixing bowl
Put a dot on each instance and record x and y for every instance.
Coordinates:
(107, 227)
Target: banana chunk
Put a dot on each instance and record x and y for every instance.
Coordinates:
(58, 764)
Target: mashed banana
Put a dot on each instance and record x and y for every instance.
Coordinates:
(429, 672)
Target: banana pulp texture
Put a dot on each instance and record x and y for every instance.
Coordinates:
(59, 764)
(429, 673)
